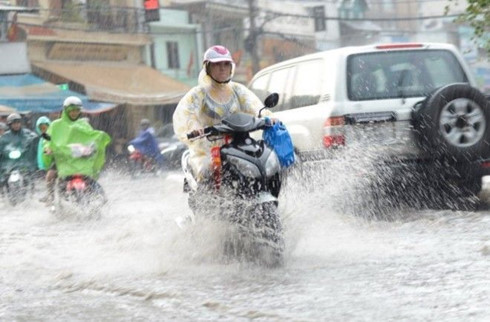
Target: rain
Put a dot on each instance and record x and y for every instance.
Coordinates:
(359, 239)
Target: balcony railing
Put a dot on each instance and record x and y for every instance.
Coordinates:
(101, 18)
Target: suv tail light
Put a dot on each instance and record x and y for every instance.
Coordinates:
(333, 132)
(485, 164)
(399, 46)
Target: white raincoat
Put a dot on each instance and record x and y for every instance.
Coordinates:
(205, 105)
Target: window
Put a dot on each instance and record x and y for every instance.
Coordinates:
(259, 87)
(278, 83)
(388, 5)
(67, 4)
(396, 74)
(307, 84)
(443, 69)
(173, 55)
(28, 3)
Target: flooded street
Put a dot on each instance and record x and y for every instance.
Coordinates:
(135, 264)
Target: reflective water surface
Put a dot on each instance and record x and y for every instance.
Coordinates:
(135, 264)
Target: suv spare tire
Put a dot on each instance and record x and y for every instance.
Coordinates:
(454, 122)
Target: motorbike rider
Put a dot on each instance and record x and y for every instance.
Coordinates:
(17, 137)
(42, 125)
(215, 97)
(146, 142)
(69, 130)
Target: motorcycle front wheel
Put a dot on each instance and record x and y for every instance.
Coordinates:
(16, 192)
(260, 236)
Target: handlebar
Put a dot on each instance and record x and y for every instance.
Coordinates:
(217, 130)
(200, 133)
(46, 136)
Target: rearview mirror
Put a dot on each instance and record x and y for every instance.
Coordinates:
(271, 100)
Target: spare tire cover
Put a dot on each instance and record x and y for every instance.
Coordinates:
(454, 122)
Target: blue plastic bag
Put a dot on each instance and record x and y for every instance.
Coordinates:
(277, 137)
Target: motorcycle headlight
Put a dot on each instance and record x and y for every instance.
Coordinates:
(14, 154)
(131, 148)
(246, 168)
(272, 165)
(14, 177)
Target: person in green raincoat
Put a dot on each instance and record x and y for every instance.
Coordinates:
(73, 146)
(21, 139)
(42, 125)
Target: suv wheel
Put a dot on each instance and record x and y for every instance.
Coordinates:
(454, 121)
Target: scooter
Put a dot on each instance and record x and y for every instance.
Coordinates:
(139, 163)
(243, 189)
(17, 183)
(81, 195)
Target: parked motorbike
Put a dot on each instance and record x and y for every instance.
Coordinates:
(16, 182)
(243, 189)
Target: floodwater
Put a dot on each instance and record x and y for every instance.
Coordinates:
(135, 264)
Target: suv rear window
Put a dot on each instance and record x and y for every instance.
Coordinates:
(397, 74)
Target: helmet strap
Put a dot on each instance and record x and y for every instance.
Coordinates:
(223, 82)
(209, 74)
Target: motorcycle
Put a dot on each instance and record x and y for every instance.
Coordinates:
(139, 163)
(81, 195)
(172, 152)
(17, 183)
(243, 189)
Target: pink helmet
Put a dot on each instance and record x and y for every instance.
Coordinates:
(216, 54)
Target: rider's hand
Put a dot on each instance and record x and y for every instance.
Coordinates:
(197, 133)
(271, 120)
(48, 151)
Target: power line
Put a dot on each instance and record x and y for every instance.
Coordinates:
(385, 2)
(365, 19)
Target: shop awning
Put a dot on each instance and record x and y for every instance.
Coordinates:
(123, 84)
(28, 93)
(5, 110)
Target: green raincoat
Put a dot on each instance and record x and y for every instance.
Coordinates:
(76, 147)
(22, 141)
(40, 145)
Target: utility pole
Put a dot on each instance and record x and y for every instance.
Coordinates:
(251, 41)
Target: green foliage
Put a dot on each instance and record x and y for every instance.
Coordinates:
(477, 15)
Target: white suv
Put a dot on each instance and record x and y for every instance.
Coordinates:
(412, 104)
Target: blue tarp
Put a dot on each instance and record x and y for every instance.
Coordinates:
(28, 93)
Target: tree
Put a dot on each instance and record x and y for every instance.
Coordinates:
(477, 15)
(251, 41)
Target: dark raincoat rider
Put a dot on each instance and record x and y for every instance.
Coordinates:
(21, 139)
(146, 142)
